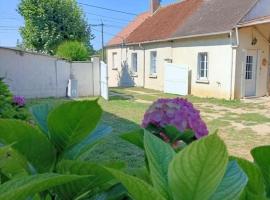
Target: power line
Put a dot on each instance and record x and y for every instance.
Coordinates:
(107, 20)
(108, 9)
(106, 17)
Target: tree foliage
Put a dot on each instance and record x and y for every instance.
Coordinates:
(50, 22)
(73, 51)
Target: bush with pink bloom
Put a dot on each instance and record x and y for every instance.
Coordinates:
(174, 120)
(19, 101)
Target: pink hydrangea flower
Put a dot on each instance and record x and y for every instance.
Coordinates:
(177, 112)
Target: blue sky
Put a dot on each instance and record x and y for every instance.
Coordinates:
(10, 20)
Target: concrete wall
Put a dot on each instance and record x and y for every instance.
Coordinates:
(39, 76)
(185, 52)
(262, 49)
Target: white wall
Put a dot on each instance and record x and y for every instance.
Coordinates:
(39, 76)
(219, 52)
(262, 48)
(184, 52)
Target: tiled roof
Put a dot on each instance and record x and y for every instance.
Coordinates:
(118, 39)
(186, 18)
(164, 22)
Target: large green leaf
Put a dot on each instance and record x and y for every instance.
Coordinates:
(71, 122)
(232, 184)
(99, 177)
(12, 164)
(40, 113)
(255, 188)
(196, 172)
(159, 155)
(138, 189)
(29, 142)
(26, 186)
(89, 143)
(134, 137)
(261, 157)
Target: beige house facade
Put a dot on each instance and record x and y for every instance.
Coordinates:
(230, 64)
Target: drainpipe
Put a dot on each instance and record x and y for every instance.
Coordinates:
(140, 45)
(232, 63)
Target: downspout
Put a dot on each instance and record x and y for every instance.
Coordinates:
(143, 64)
(234, 46)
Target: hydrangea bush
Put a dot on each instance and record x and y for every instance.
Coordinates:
(171, 119)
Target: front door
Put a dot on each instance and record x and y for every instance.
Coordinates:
(250, 73)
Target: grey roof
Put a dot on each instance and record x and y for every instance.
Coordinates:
(215, 16)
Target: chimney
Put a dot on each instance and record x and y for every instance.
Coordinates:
(154, 5)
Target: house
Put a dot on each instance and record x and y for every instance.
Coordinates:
(224, 44)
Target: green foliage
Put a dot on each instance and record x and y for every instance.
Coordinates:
(200, 171)
(159, 160)
(73, 51)
(28, 155)
(50, 22)
(23, 187)
(208, 159)
(7, 108)
(261, 157)
(255, 188)
(69, 123)
(24, 139)
(232, 183)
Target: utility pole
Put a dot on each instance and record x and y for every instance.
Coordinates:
(102, 37)
(102, 41)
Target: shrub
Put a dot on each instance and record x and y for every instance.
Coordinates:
(11, 107)
(72, 51)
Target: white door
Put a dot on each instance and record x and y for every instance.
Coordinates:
(104, 90)
(176, 79)
(250, 73)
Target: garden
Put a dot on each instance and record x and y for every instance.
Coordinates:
(136, 146)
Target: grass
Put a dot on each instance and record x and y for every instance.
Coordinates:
(125, 111)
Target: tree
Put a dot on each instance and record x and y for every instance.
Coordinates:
(50, 22)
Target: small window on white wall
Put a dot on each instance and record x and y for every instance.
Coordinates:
(153, 62)
(134, 62)
(114, 58)
(203, 66)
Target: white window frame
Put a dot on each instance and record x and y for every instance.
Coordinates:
(249, 67)
(134, 63)
(114, 55)
(153, 63)
(203, 66)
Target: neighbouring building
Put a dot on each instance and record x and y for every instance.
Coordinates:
(224, 43)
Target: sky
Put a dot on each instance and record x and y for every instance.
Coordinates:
(10, 20)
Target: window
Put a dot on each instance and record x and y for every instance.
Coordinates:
(153, 62)
(249, 66)
(114, 55)
(203, 66)
(134, 63)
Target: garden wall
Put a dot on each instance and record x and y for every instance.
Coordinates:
(40, 76)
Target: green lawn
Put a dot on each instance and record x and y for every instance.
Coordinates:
(241, 125)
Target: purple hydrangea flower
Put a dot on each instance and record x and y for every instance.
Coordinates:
(19, 100)
(177, 112)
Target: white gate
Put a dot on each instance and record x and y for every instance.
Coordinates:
(104, 80)
(176, 79)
